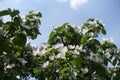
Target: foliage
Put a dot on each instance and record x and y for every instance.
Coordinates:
(71, 53)
(13, 38)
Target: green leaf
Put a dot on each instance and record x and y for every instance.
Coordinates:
(5, 45)
(90, 19)
(101, 71)
(114, 62)
(85, 25)
(6, 27)
(31, 33)
(94, 45)
(18, 53)
(36, 70)
(70, 29)
(39, 14)
(10, 26)
(64, 71)
(36, 30)
(52, 34)
(17, 21)
(77, 62)
(20, 39)
(65, 24)
(52, 38)
(103, 31)
(14, 13)
(4, 12)
(84, 40)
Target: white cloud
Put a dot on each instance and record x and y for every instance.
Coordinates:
(75, 3)
(62, 0)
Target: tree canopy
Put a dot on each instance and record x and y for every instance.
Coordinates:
(71, 52)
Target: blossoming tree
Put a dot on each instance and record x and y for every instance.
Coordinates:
(14, 60)
(71, 52)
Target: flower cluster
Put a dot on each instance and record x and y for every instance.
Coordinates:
(96, 58)
(22, 60)
(96, 22)
(76, 28)
(93, 27)
(31, 20)
(76, 48)
(110, 40)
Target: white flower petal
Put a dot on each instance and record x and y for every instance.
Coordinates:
(45, 64)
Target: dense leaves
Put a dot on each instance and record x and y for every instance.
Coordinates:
(71, 52)
(14, 57)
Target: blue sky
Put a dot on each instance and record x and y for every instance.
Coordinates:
(57, 12)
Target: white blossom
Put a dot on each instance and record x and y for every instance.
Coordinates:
(66, 27)
(23, 61)
(55, 27)
(58, 55)
(23, 18)
(108, 40)
(114, 74)
(84, 70)
(32, 23)
(62, 55)
(52, 57)
(63, 50)
(35, 17)
(76, 52)
(71, 46)
(57, 70)
(36, 51)
(45, 64)
(79, 47)
(75, 73)
(42, 52)
(84, 31)
(91, 34)
(4, 53)
(94, 23)
(35, 12)
(45, 45)
(10, 66)
(58, 45)
(107, 54)
(23, 22)
(99, 21)
(96, 58)
(76, 28)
